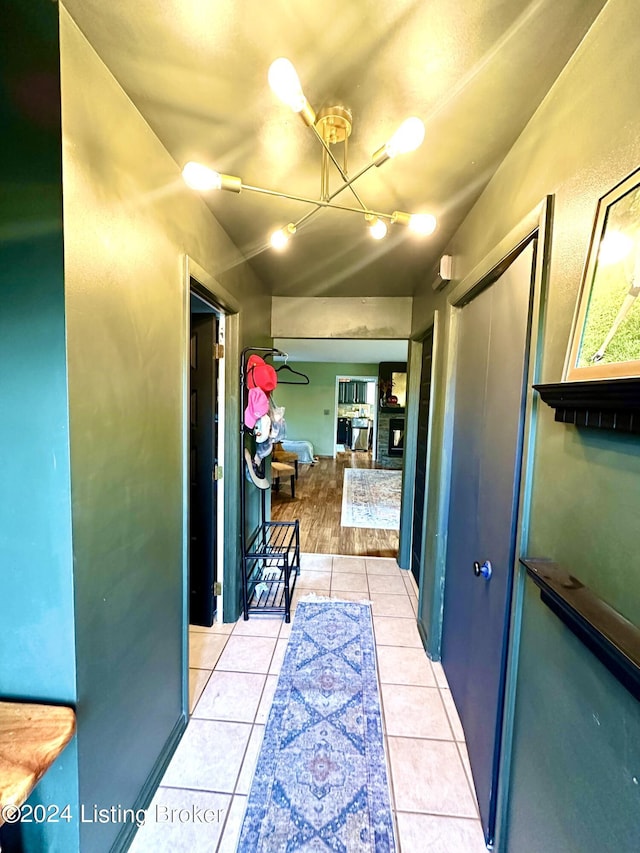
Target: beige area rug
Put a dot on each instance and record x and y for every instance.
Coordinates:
(371, 498)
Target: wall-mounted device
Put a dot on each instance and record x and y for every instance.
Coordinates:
(445, 272)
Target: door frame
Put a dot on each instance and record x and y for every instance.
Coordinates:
(541, 275)
(537, 224)
(218, 409)
(414, 378)
(228, 517)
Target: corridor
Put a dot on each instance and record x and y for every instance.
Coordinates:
(233, 674)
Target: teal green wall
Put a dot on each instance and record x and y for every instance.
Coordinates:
(36, 605)
(582, 141)
(576, 761)
(35, 537)
(305, 404)
(37, 649)
(125, 386)
(93, 348)
(129, 222)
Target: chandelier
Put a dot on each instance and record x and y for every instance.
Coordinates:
(331, 126)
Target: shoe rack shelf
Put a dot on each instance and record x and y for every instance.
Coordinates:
(270, 568)
(270, 561)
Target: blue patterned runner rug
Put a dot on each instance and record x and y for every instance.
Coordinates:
(321, 782)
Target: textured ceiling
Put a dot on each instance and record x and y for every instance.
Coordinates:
(473, 70)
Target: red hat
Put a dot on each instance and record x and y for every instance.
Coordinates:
(260, 374)
(253, 360)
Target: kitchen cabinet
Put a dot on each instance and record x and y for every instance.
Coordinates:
(352, 392)
(343, 434)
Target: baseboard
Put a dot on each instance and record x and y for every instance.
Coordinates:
(125, 836)
(423, 635)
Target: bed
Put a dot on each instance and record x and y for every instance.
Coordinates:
(304, 449)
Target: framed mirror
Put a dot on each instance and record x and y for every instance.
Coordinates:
(392, 385)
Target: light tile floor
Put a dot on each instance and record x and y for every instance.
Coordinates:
(232, 679)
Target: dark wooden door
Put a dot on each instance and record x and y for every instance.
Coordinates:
(203, 442)
(486, 457)
(421, 456)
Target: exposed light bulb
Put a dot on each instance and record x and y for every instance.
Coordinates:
(422, 224)
(285, 82)
(407, 137)
(200, 177)
(280, 238)
(378, 229)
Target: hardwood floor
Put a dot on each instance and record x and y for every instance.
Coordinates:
(318, 506)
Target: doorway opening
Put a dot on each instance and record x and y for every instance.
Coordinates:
(356, 414)
(205, 452)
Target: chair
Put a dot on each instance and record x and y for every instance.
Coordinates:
(286, 457)
(279, 469)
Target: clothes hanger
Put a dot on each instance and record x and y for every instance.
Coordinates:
(304, 378)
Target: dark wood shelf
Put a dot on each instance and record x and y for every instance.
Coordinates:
(614, 640)
(32, 736)
(612, 404)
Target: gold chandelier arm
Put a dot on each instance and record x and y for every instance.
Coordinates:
(307, 216)
(318, 204)
(352, 180)
(337, 192)
(343, 174)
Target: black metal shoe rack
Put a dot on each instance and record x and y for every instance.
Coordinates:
(271, 554)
